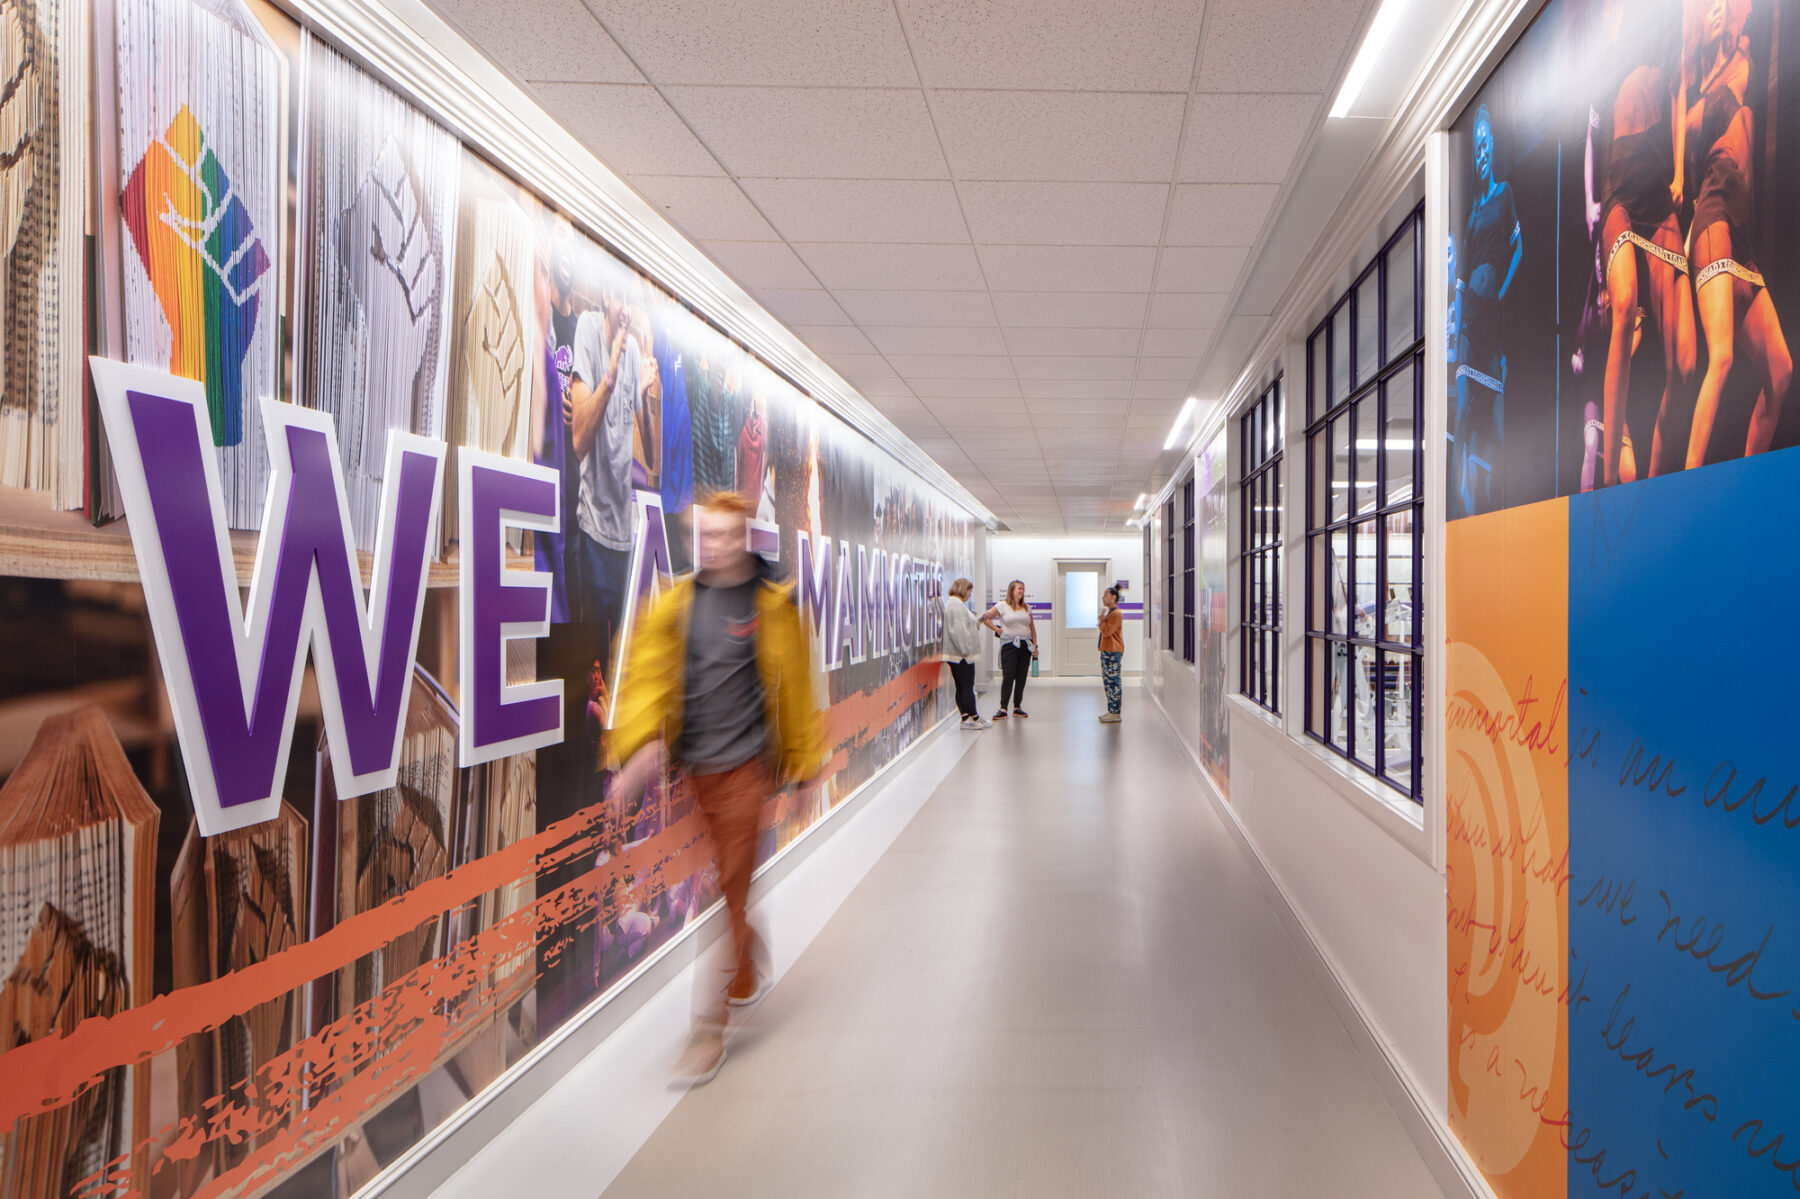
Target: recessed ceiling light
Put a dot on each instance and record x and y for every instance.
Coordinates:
(1381, 30)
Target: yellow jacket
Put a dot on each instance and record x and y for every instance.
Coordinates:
(655, 682)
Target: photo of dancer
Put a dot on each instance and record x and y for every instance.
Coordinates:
(1733, 295)
(1491, 249)
(1619, 260)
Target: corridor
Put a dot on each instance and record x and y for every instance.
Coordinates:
(1062, 979)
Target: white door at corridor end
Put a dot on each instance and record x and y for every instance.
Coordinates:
(1075, 614)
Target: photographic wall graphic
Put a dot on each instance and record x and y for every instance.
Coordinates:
(378, 219)
(43, 181)
(1623, 955)
(1212, 591)
(202, 91)
(285, 1008)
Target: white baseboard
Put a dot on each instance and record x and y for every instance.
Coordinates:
(1449, 1163)
(573, 1112)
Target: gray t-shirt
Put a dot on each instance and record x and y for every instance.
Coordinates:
(604, 508)
(725, 721)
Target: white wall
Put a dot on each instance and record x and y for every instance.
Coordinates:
(1033, 559)
(1375, 908)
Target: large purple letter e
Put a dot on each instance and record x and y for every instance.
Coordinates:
(234, 677)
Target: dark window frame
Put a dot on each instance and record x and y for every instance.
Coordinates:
(1169, 608)
(1379, 383)
(1189, 597)
(1262, 430)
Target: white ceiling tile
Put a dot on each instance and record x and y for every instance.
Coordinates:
(1153, 389)
(1000, 450)
(801, 306)
(868, 210)
(850, 43)
(1197, 268)
(1080, 214)
(629, 126)
(1060, 135)
(866, 266)
(1178, 370)
(1081, 340)
(1075, 366)
(826, 340)
(542, 39)
(878, 387)
(706, 209)
(1243, 138)
(958, 388)
(1186, 310)
(917, 307)
(1277, 45)
(968, 414)
(815, 132)
(1175, 343)
(929, 339)
(1140, 44)
(1074, 407)
(1067, 310)
(1219, 214)
(1146, 422)
(1076, 389)
(761, 264)
(952, 366)
(1068, 268)
(863, 366)
(905, 407)
(1064, 421)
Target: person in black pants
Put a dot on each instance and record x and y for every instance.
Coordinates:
(960, 649)
(1012, 623)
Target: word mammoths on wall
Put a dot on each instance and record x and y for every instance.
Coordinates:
(234, 675)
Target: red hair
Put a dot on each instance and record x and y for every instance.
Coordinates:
(730, 502)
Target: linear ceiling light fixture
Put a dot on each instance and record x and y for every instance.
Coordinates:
(1381, 31)
(1181, 420)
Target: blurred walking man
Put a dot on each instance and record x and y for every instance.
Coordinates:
(720, 678)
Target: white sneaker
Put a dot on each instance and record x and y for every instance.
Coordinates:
(973, 724)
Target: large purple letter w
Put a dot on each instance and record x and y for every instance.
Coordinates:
(234, 675)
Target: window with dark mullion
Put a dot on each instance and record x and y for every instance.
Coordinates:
(1187, 569)
(1364, 514)
(1261, 432)
(1169, 607)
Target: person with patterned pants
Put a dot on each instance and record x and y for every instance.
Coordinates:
(1112, 654)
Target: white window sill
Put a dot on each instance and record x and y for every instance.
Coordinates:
(1400, 817)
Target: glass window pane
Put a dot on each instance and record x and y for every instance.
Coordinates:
(1337, 582)
(1338, 732)
(1397, 615)
(1316, 376)
(1364, 685)
(1338, 503)
(1364, 566)
(1275, 597)
(1340, 353)
(1081, 599)
(1368, 453)
(1274, 660)
(1400, 441)
(1402, 281)
(1280, 501)
(1398, 673)
(1368, 326)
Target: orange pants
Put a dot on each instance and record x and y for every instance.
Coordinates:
(731, 803)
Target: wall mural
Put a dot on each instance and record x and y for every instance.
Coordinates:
(1212, 537)
(193, 1002)
(1620, 842)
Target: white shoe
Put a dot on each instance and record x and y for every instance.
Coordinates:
(974, 724)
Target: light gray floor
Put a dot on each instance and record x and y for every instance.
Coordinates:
(1063, 979)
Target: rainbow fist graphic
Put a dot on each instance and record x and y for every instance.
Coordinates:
(199, 248)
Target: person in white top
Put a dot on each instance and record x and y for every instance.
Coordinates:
(960, 649)
(1012, 623)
